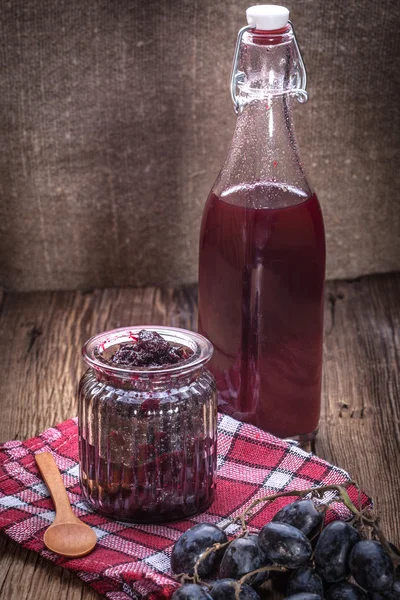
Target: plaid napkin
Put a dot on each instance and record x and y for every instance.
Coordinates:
(133, 561)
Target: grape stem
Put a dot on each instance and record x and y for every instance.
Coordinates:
(317, 492)
(263, 570)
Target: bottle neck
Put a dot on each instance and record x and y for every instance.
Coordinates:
(264, 147)
(269, 65)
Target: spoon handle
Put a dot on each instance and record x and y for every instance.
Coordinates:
(52, 478)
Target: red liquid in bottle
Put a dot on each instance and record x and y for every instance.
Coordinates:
(261, 279)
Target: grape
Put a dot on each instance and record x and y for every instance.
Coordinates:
(192, 544)
(284, 545)
(304, 596)
(243, 556)
(392, 594)
(333, 549)
(345, 591)
(191, 591)
(305, 579)
(301, 514)
(225, 589)
(371, 567)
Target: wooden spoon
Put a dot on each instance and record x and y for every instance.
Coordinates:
(67, 535)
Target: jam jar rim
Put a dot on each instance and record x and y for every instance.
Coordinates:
(202, 351)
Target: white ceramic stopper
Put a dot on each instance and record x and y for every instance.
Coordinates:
(267, 17)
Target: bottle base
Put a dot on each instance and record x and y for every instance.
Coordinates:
(303, 437)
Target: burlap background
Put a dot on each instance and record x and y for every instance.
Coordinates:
(115, 118)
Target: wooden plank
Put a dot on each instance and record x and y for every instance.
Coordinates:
(24, 574)
(360, 425)
(42, 334)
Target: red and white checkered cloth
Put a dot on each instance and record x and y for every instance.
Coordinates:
(133, 561)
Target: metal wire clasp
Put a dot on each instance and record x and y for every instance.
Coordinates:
(238, 76)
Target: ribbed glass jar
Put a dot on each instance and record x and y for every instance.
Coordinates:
(147, 436)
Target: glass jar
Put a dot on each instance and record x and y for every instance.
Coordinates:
(147, 435)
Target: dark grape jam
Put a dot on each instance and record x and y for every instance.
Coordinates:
(146, 349)
(147, 424)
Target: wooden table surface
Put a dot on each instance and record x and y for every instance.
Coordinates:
(41, 335)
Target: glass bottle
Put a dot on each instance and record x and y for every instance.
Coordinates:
(262, 245)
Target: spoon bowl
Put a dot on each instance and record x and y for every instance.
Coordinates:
(70, 539)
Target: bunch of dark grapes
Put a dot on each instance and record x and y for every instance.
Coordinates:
(300, 557)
